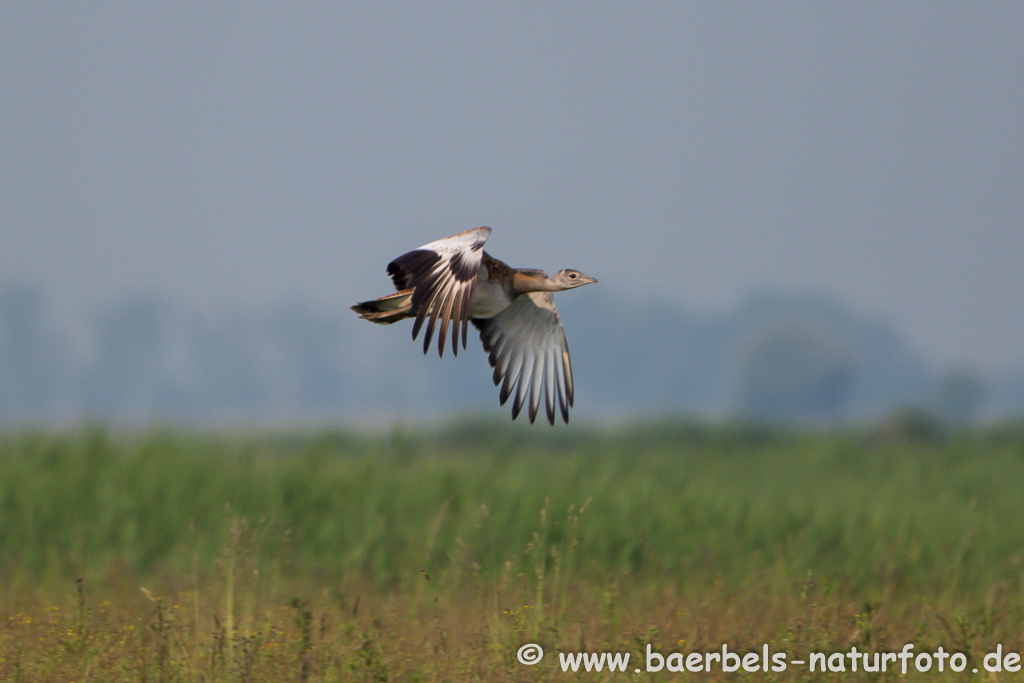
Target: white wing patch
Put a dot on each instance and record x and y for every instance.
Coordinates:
(526, 347)
(443, 276)
(467, 240)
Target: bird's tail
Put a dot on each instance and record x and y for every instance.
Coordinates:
(387, 309)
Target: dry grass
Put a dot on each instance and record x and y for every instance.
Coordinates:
(124, 633)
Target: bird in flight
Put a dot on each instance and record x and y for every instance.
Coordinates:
(454, 280)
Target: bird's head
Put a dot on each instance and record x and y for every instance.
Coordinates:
(570, 279)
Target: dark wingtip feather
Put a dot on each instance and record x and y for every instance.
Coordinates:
(429, 334)
(411, 265)
(418, 323)
(442, 337)
(518, 403)
(455, 337)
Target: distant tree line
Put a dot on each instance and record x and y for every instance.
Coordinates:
(794, 359)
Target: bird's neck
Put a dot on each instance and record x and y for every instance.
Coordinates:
(524, 282)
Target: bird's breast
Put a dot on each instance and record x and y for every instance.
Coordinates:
(489, 299)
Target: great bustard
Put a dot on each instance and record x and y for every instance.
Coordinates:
(455, 280)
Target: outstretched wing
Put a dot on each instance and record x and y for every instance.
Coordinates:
(526, 347)
(443, 276)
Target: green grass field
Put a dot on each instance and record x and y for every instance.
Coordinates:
(434, 555)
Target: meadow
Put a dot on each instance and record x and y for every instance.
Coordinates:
(435, 554)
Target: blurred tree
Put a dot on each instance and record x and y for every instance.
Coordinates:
(33, 360)
(958, 395)
(794, 373)
(125, 378)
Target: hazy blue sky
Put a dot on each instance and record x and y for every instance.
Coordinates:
(247, 153)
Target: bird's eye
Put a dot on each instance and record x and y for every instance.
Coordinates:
(572, 275)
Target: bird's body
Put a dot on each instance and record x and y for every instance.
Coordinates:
(454, 280)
